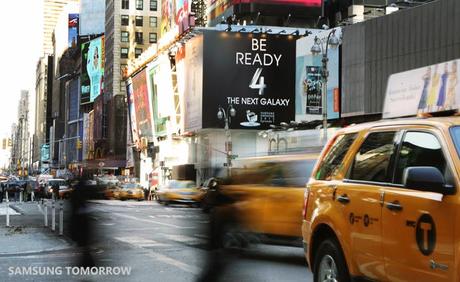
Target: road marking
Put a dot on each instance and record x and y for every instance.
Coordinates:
(165, 259)
(140, 242)
(184, 239)
(151, 221)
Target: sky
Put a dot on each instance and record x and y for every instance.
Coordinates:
(20, 47)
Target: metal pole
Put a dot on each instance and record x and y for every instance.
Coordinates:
(53, 215)
(228, 148)
(61, 218)
(7, 210)
(324, 90)
(46, 213)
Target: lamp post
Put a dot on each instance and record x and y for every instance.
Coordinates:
(227, 115)
(320, 47)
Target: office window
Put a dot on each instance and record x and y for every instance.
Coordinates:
(152, 37)
(137, 52)
(139, 4)
(124, 53)
(139, 38)
(124, 36)
(139, 21)
(153, 21)
(125, 20)
(153, 5)
(125, 4)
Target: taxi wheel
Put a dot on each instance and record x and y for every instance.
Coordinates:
(330, 264)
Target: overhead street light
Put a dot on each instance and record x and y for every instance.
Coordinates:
(320, 47)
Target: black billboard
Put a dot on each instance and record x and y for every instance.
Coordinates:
(255, 73)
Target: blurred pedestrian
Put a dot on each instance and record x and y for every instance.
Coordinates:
(81, 229)
(223, 221)
(2, 191)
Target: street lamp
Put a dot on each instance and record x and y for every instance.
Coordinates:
(227, 115)
(318, 48)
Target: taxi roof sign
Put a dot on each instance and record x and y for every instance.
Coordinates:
(429, 89)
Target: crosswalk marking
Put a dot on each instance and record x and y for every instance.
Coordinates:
(184, 239)
(140, 242)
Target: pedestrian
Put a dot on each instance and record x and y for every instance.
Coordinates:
(2, 191)
(223, 220)
(28, 191)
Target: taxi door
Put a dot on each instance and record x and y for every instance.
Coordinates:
(418, 226)
(360, 198)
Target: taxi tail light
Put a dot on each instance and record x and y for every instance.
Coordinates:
(305, 202)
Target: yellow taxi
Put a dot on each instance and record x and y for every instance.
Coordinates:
(180, 192)
(268, 193)
(382, 203)
(129, 191)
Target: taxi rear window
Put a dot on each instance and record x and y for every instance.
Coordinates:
(333, 159)
(455, 133)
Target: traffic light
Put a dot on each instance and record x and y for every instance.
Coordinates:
(10, 142)
(79, 144)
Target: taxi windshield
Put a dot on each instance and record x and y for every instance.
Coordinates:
(455, 132)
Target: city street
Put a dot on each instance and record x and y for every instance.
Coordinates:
(157, 243)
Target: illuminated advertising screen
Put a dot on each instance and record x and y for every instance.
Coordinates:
(132, 115)
(254, 74)
(308, 3)
(92, 75)
(142, 104)
(174, 16)
(73, 29)
(308, 82)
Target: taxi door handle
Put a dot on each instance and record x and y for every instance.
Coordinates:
(394, 206)
(343, 199)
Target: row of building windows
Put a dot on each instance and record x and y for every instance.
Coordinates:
(139, 37)
(125, 51)
(140, 5)
(139, 21)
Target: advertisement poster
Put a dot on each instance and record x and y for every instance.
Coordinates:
(73, 29)
(154, 81)
(308, 83)
(134, 137)
(194, 84)
(174, 16)
(180, 77)
(92, 78)
(429, 89)
(142, 104)
(252, 72)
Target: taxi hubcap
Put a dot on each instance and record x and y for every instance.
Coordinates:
(327, 269)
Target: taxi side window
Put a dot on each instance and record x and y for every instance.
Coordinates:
(373, 158)
(420, 149)
(333, 159)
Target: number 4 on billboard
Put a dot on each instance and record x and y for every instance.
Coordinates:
(258, 82)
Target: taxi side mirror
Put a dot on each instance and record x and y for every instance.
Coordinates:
(426, 178)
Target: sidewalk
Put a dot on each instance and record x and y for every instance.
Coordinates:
(27, 234)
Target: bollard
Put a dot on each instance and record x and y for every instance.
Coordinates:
(61, 218)
(7, 212)
(53, 216)
(20, 196)
(7, 195)
(32, 196)
(46, 214)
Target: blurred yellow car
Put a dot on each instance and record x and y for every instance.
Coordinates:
(129, 191)
(268, 194)
(179, 191)
(112, 192)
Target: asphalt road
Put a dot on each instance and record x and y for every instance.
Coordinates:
(154, 243)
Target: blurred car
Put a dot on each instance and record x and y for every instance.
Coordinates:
(267, 194)
(205, 191)
(112, 192)
(107, 180)
(130, 191)
(56, 183)
(179, 191)
(65, 192)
